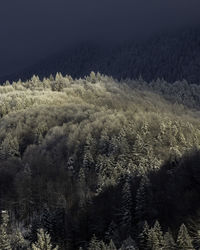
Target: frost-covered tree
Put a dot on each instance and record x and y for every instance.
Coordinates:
(5, 241)
(43, 241)
(184, 242)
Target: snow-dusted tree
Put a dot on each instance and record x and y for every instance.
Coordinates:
(43, 241)
(5, 243)
(143, 236)
(184, 242)
(158, 231)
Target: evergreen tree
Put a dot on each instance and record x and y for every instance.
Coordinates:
(113, 233)
(47, 221)
(141, 209)
(184, 242)
(128, 244)
(95, 244)
(152, 240)
(169, 243)
(143, 236)
(158, 231)
(43, 241)
(82, 188)
(18, 242)
(88, 160)
(9, 147)
(126, 207)
(111, 246)
(5, 243)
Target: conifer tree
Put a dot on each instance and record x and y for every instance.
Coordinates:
(95, 244)
(18, 242)
(125, 213)
(169, 243)
(141, 209)
(5, 243)
(184, 242)
(152, 240)
(158, 231)
(43, 241)
(88, 160)
(111, 246)
(113, 233)
(143, 236)
(128, 244)
(82, 188)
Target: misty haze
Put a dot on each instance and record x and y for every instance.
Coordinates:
(100, 125)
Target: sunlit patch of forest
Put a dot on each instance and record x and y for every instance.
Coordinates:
(96, 163)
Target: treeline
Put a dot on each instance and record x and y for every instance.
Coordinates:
(97, 164)
(171, 56)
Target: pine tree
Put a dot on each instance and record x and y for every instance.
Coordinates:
(184, 242)
(9, 147)
(47, 221)
(141, 212)
(94, 244)
(169, 243)
(18, 242)
(82, 188)
(5, 243)
(152, 240)
(159, 233)
(111, 246)
(43, 241)
(126, 207)
(88, 160)
(113, 233)
(128, 244)
(143, 236)
(92, 77)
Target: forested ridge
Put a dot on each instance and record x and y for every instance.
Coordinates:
(169, 55)
(95, 163)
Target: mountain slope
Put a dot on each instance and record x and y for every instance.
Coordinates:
(169, 56)
(94, 156)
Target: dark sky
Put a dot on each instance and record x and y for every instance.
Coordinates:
(33, 29)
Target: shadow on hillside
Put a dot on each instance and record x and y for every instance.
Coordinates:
(175, 193)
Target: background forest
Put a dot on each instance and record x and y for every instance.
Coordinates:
(168, 55)
(95, 163)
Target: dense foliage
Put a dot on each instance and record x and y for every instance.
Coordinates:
(98, 164)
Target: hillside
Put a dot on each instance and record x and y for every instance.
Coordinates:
(171, 56)
(95, 156)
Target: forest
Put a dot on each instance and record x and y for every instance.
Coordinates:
(96, 163)
(171, 56)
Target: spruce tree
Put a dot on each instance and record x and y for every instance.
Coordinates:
(95, 244)
(43, 241)
(141, 209)
(152, 240)
(125, 214)
(111, 246)
(5, 243)
(113, 233)
(158, 231)
(169, 243)
(128, 244)
(143, 236)
(184, 242)
(18, 242)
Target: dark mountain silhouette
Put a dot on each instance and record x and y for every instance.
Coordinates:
(171, 56)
